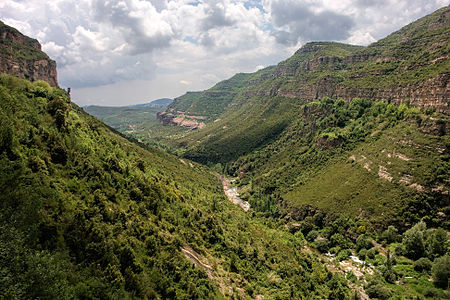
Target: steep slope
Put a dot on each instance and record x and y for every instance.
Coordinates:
(86, 213)
(21, 56)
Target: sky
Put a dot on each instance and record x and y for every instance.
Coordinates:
(121, 52)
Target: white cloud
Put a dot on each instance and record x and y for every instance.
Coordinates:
(158, 48)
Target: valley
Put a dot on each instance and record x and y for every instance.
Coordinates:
(323, 177)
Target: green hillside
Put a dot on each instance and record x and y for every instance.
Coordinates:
(85, 213)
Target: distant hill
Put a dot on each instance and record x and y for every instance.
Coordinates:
(155, 103)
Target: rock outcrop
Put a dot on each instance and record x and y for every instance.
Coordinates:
(21, 56)
(181, 119)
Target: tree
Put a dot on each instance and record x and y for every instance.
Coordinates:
(422, 264)
(390, 235)
(389, 273)
(414, 241)
(441, 271)
(437, 246)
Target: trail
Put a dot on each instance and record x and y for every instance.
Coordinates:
(194, 257)
(233, 194)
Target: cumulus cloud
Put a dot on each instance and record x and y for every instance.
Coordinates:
(297, 20)
(157, 48)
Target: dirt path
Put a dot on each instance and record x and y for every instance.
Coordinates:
(197, 259)
(233, 194)
(194, 257)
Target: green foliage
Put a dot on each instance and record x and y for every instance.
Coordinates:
(343, 254)
(414, 241)
(95, 215)
(441, 271)
(437, 243)
(390, 235)
(362, 242)
(376, 289)
(422, 264)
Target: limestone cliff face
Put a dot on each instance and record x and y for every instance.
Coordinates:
(21, 56)
(434, 92)
(179, 118)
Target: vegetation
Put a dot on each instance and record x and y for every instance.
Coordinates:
(86, 213)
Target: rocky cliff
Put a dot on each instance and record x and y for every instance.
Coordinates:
(179, 118)
(21, 56)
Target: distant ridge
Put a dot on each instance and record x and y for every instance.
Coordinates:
(155, 103)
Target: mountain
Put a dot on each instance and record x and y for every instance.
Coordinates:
(409, 66)
(342, 128)
(21, 56)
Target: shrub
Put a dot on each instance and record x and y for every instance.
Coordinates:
(322, 244)
(312, 235)
(390, 235)
(422, 264)
(371, 253)
(376, 289)
(437, 246)
(362, 254)
(441, 271)
(343, 254)
(362, 242)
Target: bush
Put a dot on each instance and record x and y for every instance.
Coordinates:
(322, 244)
(362, 254)
(437, 245)
(371, 253)
(343, 254)
(376, 289)
(312, 235)
(441, 271)
(399, 250)
(390, 235)
(362, 242)
(432, 292)
(422, 264)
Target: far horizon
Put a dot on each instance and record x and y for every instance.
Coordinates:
(131, 104)
(120, 53)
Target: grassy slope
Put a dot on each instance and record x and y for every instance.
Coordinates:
(102, 217)
(345, 185)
